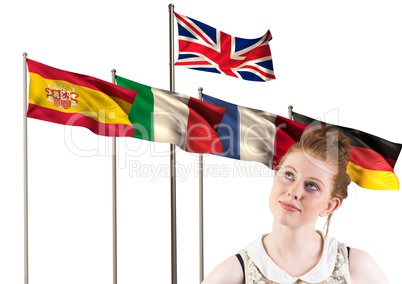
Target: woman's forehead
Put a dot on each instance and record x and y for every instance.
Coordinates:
(305, 162)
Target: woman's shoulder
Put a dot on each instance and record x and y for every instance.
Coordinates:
(231, 270)
(364, 269)
(228, 271)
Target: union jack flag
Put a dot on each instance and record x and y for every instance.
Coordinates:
(204, 48)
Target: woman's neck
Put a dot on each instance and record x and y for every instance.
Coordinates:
(295, 250)
(295, 239)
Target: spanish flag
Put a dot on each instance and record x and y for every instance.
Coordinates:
(79, 100)
(372, 159)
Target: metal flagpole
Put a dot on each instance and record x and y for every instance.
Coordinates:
(201, 205)
(172, 157)
(114, 198)
(25, 145)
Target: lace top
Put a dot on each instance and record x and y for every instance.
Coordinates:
(332, 268)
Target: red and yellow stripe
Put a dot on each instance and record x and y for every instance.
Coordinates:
(100, 106)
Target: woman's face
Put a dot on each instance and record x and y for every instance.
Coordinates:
(302, 191)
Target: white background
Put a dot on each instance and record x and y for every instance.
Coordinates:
(339, 61)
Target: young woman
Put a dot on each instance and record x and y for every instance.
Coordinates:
(309, 182)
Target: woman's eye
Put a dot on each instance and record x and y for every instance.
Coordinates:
(288, 175)
(312, 186)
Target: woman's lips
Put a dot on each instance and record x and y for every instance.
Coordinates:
(289, 206)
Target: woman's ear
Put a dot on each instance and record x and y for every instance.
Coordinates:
(332, 205)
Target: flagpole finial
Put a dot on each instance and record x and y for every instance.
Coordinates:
(290, 111)
(171, 6)
(200, 93)
(113, 76)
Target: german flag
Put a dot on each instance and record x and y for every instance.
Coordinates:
(75, 99)
(372, 159)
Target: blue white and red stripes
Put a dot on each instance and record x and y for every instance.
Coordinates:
(204, 48)
(255, 135)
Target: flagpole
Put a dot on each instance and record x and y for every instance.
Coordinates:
(201, 206)
(114, 198)
(290, 111)
(25, 149)
(172, 157)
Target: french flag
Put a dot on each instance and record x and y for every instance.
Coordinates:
(254, 135)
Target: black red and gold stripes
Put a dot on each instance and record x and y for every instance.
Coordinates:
(372, 159)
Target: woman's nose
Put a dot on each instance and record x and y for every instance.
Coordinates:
(295, 191)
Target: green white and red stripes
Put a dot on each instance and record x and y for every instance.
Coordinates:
(163, 116)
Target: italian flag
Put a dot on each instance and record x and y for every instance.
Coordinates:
(163, 116)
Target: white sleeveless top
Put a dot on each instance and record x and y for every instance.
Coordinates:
(332, 268)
